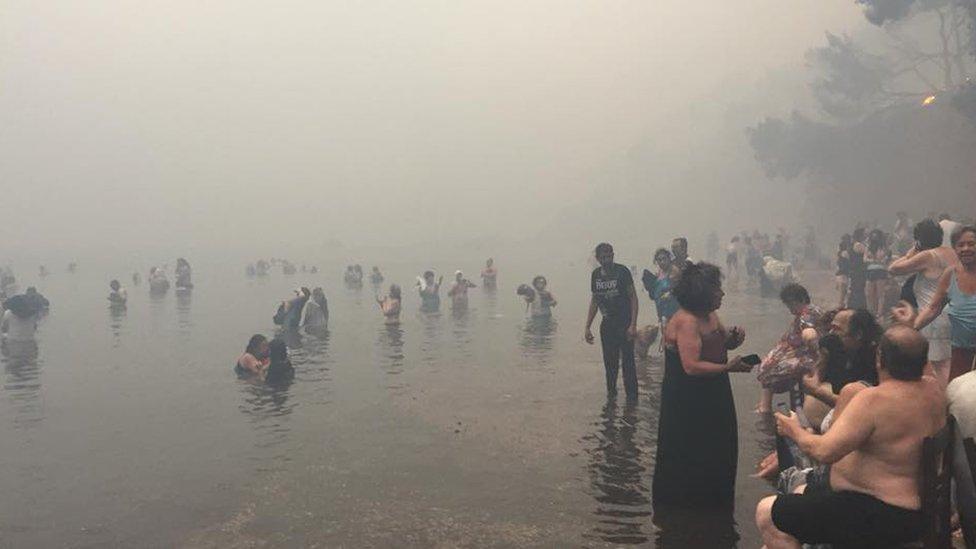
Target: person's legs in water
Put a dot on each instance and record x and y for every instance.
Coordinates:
(628, 364)
(611, 355)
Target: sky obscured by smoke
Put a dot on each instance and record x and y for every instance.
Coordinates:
(247, 124)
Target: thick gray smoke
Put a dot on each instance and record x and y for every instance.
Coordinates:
(880, 12)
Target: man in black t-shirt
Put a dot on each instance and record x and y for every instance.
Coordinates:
(613, 292)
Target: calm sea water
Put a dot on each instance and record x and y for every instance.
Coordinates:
(483, 429)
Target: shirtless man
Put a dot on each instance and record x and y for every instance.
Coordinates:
(870, 498)
(459, 292)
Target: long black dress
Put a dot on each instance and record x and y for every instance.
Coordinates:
(697, 440)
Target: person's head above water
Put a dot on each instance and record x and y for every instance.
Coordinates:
(679, 247)
(699, 289)
(278, 351)
(114, 284)
(903, 353)
(458, 275)
(429, 276)
(257, 346)
(604, 254)
(304, 291)
(540, 282)
(394, 291)
(490, 262)
(964, 243)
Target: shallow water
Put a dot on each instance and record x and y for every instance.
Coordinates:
(130, 428)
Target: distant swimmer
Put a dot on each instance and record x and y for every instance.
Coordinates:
(19, 321)
(118, 296)
(376, 277)
(390, 305)
(279, 371)
(158, 282)
(459, 291)
(184, 275)
(538, 299)
(42, 271)
(262, 267)
(136, 279)
(679, 250)
(316, 315)
(72, 267)
(250, 270)
(354, 276)
(430, 297)
(489, 275)
(255, 357)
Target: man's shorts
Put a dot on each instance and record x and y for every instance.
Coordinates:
(845, 519)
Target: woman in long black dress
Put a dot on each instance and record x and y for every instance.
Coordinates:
(697, 449)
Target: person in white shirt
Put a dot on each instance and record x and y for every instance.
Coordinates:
(19, 321)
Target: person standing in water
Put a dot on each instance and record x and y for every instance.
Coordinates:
(489, 275)
(541, 301)
(612, 288)
(316, 315)
(376, 277)
(459, 291)
(430, 297)
(697, 448)
(118, 296)
(254, 359)
(390, 305)
(183, 275)
(679, 249)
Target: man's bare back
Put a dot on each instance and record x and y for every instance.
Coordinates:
(899, 415)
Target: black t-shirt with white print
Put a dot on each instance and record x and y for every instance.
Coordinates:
(612, 292)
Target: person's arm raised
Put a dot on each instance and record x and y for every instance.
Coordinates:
(848, 432)
(912, 262)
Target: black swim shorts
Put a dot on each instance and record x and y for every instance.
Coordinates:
(845, 519)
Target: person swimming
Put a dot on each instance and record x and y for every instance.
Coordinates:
(279, 369)
(390, 305)
(254, 359)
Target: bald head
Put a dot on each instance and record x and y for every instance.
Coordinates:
(903, 353)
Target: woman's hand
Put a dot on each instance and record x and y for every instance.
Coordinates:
(810, 383)
(737, 365)
(735, 338)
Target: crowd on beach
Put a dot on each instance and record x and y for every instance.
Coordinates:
(868, 375)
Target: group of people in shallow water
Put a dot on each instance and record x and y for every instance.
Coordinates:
(862, 398)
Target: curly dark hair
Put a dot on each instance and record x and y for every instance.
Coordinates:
(794, 293)
(696, 288)
(928, 234)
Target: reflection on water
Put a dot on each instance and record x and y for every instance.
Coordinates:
(268, 409)
(22, 380)
(618, 467)
(184, 320)
(389, 345)
(430, 347)
(695, 528)
(537, 336)
(116, 316)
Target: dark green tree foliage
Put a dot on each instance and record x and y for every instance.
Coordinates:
(851, 81)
